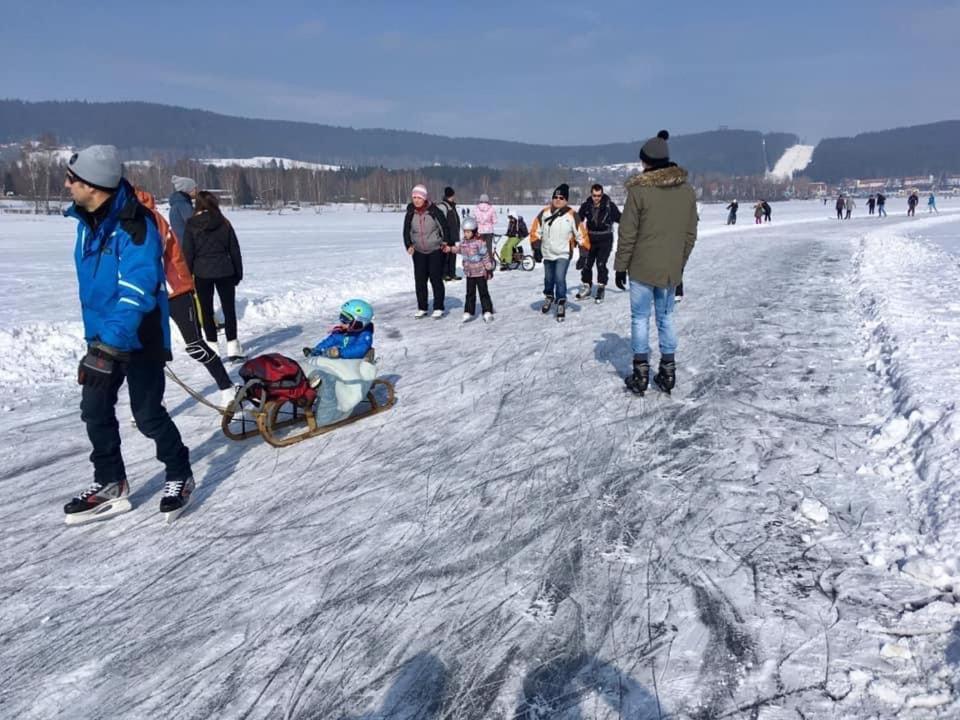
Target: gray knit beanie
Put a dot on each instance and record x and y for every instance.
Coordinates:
(97, 165)
(183, 184)
(655, 150)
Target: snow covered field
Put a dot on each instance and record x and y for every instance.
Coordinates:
(516, 538)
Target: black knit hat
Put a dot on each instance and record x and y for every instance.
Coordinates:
(563, 190)
(448, 192)
(655, 150)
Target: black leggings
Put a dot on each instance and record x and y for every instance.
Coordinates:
(227, 292)
(475, 285)
(183, 311)
(429, 266)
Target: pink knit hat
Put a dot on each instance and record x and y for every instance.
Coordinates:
(420, 191)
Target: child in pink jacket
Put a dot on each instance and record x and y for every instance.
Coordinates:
(486, 218)
(477, 268)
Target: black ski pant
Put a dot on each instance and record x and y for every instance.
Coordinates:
(145, 383)
(839, 213)
(600, 247)
(429, 266)
(450, 265)
(183, 311)
(475, 285)
(227, 292)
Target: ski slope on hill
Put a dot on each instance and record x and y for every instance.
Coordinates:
(517, 537)
(793, 160)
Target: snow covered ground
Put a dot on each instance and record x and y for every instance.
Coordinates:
(516, 538)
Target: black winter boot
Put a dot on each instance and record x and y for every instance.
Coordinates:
(666, 376)
(637, 383)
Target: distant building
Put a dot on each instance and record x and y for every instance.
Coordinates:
(871, 184)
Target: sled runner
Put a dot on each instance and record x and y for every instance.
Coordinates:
(280, 404)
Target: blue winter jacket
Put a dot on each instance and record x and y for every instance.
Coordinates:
(123, 289)
(181, 210)
(352, 345)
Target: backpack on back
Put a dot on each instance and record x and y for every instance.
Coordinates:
(179, 277)
(276, 377)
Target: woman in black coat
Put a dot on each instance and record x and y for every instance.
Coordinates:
(213, 254)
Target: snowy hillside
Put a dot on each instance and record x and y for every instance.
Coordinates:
(264, 162)
(793, 160)
(517, 537)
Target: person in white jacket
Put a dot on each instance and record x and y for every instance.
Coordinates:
(554, 233)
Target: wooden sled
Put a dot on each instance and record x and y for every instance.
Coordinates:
(266, 421)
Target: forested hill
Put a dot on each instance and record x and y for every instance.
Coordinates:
(931, 149)
(143, 130)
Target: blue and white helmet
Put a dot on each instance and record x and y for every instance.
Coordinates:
(356, 311)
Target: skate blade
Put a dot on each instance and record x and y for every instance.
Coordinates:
(169, 517)
(101, 512)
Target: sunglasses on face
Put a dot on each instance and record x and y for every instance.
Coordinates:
(559, 197)
(350, 323)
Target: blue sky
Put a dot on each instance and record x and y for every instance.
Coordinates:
(558, 72)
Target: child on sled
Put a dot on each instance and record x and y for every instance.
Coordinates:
(351, 338)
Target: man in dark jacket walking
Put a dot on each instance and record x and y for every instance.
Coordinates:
(449, 207)
(657, 233)
(181, 204)
(599, 213)
(124, 300)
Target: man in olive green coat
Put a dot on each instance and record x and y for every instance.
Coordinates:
(658, 229)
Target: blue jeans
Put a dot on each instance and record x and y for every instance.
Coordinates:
(641, 296)
(555, 278)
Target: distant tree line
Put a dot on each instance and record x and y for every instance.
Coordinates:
(904, 152)
(146, 130)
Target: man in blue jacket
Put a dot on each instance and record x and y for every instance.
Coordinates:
(181, 204)
(123, 297)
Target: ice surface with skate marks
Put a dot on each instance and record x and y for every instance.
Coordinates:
(518, 537)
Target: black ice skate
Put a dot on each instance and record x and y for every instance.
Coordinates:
(561, 309)
(547, 304)
(97, 502)
(666, 376)
(176, 495)
(601, 289)
(583, 291)
(638, 381)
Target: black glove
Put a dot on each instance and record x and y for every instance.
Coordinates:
(581, 261)
(621, 279)
(307, 351)
(537, 255)
(100, 365)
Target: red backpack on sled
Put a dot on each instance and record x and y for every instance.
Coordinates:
(276, 377)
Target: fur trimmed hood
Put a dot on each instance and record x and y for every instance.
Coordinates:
(664, 177)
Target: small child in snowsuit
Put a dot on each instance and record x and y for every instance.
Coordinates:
(352, 338)
(478, 269)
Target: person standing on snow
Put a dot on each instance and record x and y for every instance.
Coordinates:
(849, 204)
(425, 231)
(841, 204)
(758, 213)
(881, 205)
(449, 207)
(124, 299)
(212, 252)
(181, 204)
(732, 216)
(486, 216)
(658, 230)
(912, 203)
(767, 210)
(599, 213)
(554, 233)
(871, 204)
(932, 204)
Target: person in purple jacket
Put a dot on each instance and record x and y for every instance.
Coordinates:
(478, 269)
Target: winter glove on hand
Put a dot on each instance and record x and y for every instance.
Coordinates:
(537, 254)
(99, 365)
(307, 351)
(621, 279)
(333, 352)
